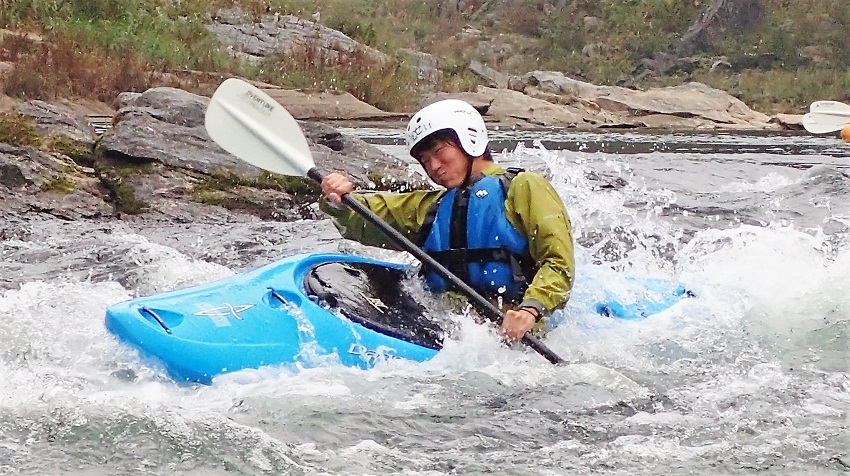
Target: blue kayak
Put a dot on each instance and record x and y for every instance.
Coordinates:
(299, 310)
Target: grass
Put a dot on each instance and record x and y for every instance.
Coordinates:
(59, 184)
(115, 176)
(99, 48)
(225, 181)
(386, 86)
(17, 131)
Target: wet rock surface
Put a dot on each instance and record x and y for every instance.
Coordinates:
(156, 161)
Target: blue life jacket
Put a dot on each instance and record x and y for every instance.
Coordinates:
(471, 236)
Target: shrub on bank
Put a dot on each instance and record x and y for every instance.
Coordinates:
(97, 48)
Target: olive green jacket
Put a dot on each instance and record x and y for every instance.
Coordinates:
(532, 206)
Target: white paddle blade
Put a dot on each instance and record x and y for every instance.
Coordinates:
(830, 107)
(817, 123)
(251, 125)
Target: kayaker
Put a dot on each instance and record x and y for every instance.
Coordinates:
(505, 232)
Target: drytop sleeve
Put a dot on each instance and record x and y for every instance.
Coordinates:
(406, 212)
(534, 208)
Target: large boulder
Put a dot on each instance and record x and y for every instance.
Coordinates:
(158, 160)
(284, 35)
(52, 184)
(166, 125)
(162, 131)
(326, 105)
(54, 119)
(702, 105)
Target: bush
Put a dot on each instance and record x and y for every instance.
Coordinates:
(17, 131)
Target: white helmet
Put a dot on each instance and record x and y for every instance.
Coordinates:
(452, 114)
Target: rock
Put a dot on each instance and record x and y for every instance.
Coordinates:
(53, 119)
(26, 175)
(469, 33)
(364, 163)
(570, 102)
(721, 19)
(508, 107)
(426, 64)
(489, 77)
(481, 102)
(513, 107)
(158, 160)
(591, 22)
(788, 121)
(326, 105)
(284, 35)
(15, 171)
(721, 65)
(166, 125)
(710, 105)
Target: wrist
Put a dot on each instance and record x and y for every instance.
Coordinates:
(535, 313)
(534, 307)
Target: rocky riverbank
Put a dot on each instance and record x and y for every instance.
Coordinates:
(156, 159)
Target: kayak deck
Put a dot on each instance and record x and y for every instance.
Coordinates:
(269, 317)
(308, 310)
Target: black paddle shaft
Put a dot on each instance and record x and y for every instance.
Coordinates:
(485, 307)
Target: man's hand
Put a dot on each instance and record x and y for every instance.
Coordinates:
(335, 185)
(517, 322)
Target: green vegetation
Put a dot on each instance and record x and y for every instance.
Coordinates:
(216, 189)
(76, 151)
(59, 184)
(115, 176)
(100, 48)
(783, 54)
(124, 198)
(225, 180)
(17, 131)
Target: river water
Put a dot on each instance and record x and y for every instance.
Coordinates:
(750, 376)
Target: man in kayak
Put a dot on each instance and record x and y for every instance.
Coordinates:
(505, 232)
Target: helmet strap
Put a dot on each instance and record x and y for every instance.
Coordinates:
(468, 170)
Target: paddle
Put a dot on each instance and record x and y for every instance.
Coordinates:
(826, 116)
(252, 126)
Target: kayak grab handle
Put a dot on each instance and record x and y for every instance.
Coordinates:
(156, 318)
(278, 296)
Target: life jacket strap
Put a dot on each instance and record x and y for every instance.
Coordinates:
(519, 265)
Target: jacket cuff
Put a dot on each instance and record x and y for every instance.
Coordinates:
(535, 304)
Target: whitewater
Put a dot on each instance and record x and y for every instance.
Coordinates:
(748, 376)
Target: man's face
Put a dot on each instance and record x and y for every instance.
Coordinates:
(445, 163)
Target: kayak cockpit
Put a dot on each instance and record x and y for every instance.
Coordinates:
(373, 295)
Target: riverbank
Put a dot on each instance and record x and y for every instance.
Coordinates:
(151, 153)
(322, 74)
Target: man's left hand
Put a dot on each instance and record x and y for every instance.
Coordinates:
(516, 323)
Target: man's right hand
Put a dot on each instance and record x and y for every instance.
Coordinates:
(335, 185)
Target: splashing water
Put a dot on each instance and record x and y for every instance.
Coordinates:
(748, 376)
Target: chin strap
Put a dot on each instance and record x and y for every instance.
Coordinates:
(468, 172)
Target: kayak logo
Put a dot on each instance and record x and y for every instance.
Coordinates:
(259, 103)
(375, 302)
(372, 357)
(220, 314)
